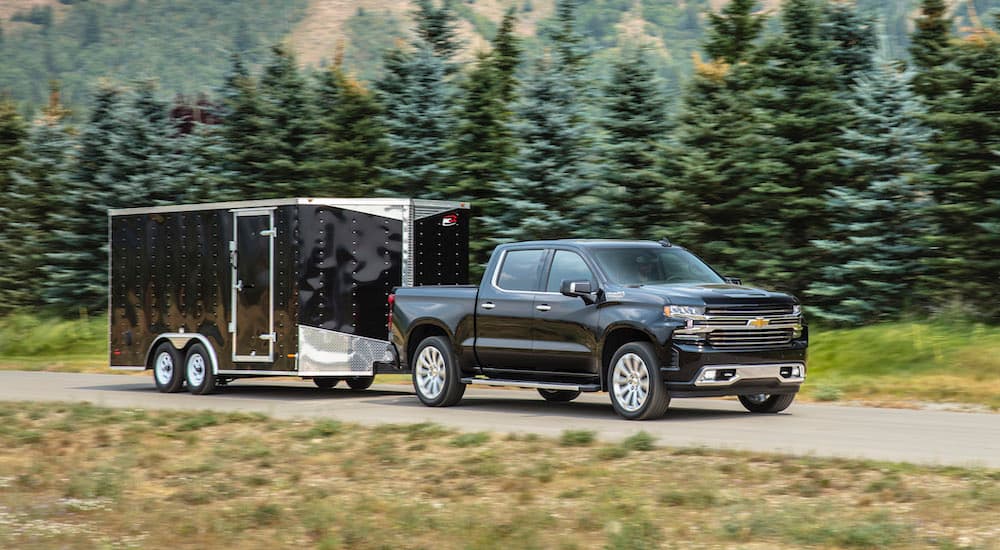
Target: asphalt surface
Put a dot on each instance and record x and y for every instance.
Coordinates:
(917, 436)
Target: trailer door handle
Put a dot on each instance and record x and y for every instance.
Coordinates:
(270, 337)
(489, 305)
(238, 286)
(543, 307)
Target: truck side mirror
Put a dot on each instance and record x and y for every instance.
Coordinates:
(579, 289)
(734, 280)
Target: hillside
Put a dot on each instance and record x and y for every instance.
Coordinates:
(185, 44)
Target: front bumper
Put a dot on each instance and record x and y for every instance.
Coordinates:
(703, 371)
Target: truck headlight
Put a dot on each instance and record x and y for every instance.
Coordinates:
(684, 311)
(796, 309)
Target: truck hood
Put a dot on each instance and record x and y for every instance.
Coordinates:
(707, 295)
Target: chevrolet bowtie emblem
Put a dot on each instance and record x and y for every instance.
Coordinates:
(759, 322)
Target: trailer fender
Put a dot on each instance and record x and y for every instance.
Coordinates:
(180, 341)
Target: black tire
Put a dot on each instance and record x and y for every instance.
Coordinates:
(765, 403)
(326, 382)
(168, 368)
(559, 396)
(199, 371)
(359, 383)
(634, 370)
(436, 376)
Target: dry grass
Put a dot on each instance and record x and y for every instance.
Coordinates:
(77, 476)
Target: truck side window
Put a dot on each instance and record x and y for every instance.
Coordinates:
(520, 270)
(567, 266)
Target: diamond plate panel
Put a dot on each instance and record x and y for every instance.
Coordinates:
(330, 352)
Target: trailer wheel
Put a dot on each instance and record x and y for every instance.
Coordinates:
(436, 376)
(326, 382)
(559, 396)
(360, 382)
(167, 371)
(766, 403)
(198, 370)
(635, 384)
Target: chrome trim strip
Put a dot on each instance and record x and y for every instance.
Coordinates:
(529, 384)
(349, 204)
(770, 371)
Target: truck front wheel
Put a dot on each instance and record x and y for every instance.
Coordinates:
(767, 403)
(436, 376)
(635, 384)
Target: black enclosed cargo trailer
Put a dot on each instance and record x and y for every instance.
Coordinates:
(204, 294)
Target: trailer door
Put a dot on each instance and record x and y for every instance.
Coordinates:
(252, 275)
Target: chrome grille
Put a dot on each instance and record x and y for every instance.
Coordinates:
(749, 338)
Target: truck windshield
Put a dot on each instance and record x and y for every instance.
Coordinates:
(652, 266)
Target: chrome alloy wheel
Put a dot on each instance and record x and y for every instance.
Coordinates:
(431, 372)
(630, 382)
(196, 370)
(164, 368)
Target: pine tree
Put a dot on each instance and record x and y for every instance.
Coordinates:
(287, 130)
(436, 28)
(76, 264)
(552, 170)
(350, 149)
(41, 173)
(13, 134)
(801, 114)
(482, 146)
(732, 31)
(930, 48)
(877, 218)
(719, 156)
(240, 134)
(854, 41)
(418, 120)
(635, 124)
(569, 55)
(965, 182)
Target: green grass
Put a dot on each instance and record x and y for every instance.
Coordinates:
(889, 364)
(80, 476)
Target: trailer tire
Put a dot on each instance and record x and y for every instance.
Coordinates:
(436, 376)
(559, 396)
(326, 382)
(635, 383)
(168, 373)
(198, 370)
(359, 383)
(768, 404)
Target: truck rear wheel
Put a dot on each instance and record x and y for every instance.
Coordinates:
(767, 403)
(559, 396)
(635, 384)
(326, 382)
(198, 370)
(167, 371)
(360, 382)
(436, 376)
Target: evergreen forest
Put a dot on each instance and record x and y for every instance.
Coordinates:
(848, 156)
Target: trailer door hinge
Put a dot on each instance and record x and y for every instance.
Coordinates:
(270, 337)
(232, 327)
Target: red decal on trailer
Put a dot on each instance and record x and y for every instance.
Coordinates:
(449, 220)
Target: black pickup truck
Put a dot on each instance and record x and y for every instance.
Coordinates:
(645, 321)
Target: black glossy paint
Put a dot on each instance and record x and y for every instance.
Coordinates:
(332, 268)
(441, 249)
(571, 339)
(348, 265)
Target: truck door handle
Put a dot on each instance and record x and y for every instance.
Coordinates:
(489, 305)
(543, 307)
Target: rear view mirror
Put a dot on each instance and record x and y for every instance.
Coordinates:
(580, 289)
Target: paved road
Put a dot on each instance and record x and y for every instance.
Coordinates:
(927, 437)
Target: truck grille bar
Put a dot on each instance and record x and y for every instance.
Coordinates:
(743, 327)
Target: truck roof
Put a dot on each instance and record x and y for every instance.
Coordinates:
(588, 243)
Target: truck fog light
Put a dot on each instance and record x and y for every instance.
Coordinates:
(708, 375)
(796, 372)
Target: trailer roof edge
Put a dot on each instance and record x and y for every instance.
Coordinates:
(336, 202)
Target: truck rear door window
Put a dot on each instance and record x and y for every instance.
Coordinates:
(567, 266)
(520, 270)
